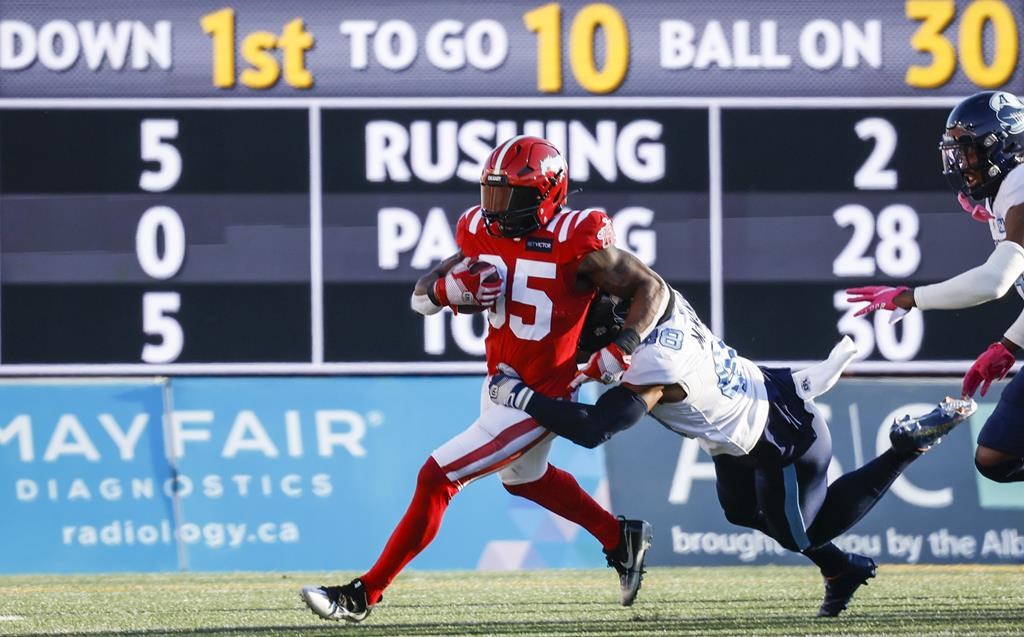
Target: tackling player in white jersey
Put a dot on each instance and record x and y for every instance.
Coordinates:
(982, 154)
(770, 444)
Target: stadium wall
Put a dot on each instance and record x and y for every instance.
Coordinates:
(287, 473)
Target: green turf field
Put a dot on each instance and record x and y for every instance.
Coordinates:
(902, 600)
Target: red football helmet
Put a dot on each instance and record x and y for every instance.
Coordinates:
(524, 183)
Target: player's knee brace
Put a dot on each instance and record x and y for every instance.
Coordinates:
(1008, 471)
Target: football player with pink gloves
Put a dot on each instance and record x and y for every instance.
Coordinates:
(982, 152)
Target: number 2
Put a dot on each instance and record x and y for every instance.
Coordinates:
(874, 175)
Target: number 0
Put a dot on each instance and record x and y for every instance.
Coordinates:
(157, 220)
(581, 52)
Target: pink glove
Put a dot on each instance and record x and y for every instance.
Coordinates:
(877, 297)
(605, 365)
(978, 212)
(991, 366)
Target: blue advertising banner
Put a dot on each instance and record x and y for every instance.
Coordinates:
(84, 481)
(259, 474)
(296, 473)
(939, 511)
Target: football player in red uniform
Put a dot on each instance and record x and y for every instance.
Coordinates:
(549, 261)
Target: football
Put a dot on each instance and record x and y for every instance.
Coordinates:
(479, 266)
(476, 267)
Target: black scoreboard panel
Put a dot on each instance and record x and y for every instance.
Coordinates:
(215, 234)
(395, 183)
(819, 200)
(154, 236)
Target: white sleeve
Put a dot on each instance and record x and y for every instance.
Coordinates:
(987, 282)
(422, 304)
(1015, 333)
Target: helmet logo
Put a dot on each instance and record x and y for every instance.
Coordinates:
(1009, 111)
(552, 165)
(606, 235)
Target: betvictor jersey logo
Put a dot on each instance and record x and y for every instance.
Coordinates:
(537, 244)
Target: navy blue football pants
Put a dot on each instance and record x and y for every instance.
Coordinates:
(1004, 431)
(788, 498)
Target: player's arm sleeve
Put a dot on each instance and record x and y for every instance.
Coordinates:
(616, 410)
(984, 283)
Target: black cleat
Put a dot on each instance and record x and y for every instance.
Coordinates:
(628, 557)
(839, 589)
(924, 432)
(346, 602)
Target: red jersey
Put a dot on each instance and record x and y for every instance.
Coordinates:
(536, 323)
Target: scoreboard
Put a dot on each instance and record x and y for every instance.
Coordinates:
(819, 200)
(154, 236)
(224, 237)
(242, 190)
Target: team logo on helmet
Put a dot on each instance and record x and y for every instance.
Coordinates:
(1009, 111)
(552, 165)
(606, 235)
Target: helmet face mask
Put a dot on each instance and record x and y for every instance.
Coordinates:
(524, 183)
(510, 211)
(966, 166)
(982, 143)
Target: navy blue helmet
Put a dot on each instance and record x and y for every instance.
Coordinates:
(605, 318)
(983, 142)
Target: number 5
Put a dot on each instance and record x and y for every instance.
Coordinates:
(156, 320)
(521, 292)
(153, 134)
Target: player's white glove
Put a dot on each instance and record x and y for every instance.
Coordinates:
(469, 282)
(606, 365)
(506, 388)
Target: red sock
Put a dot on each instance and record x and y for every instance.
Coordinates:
(415, 531)
(558, 492)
